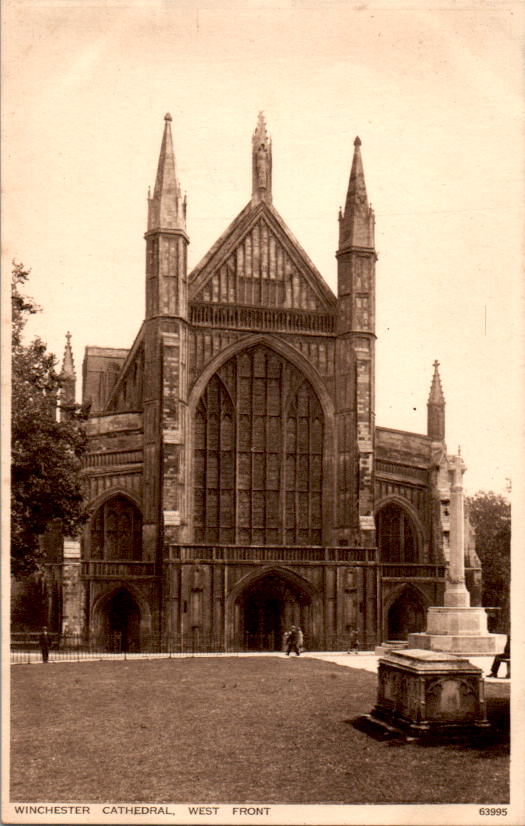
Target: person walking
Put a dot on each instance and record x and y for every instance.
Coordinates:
(45, 644)
(354, 642)
(294, 641)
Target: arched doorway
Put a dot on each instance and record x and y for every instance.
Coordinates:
(406, 615)
(119, 622)
(267, 608)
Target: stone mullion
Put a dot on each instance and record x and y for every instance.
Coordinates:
(263, 456)
(309, 474)
(221, 455)
(236, 415)
(296, 485)
(252, 432)
(283, 480)
(206, 468)
(219, 459)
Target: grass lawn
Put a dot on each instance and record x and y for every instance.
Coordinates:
(221, 730)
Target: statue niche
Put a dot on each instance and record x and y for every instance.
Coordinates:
(262, 167)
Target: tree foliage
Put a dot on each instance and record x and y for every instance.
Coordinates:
(45, 452)
(491, 517)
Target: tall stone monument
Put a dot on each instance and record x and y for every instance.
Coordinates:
(457, 628)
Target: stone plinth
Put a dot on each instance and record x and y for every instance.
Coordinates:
(458, 631)
(426, 692)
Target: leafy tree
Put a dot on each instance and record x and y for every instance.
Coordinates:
(490, 515)
(45, 452)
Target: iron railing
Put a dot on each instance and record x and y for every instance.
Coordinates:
(25, 646)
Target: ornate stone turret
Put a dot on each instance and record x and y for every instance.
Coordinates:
(69, 379)
(166, 239)
(167, 208)
(165, 353)
(355, 357)
(356, 224)
(436, 408)
(261, 162)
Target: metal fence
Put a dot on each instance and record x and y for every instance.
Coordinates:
(25, 647)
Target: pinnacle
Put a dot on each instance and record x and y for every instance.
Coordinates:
(165, 207)
(436, 391)
(356, 227)
(261, 162)
(260, 133)
(68, 364)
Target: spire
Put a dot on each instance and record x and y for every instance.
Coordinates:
(261, 162)
(356, 224)
(68, 364)
(436, 408)
(436, 395)
(69, 378)
(166, 208)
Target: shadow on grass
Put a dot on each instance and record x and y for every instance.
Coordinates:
(490, 743)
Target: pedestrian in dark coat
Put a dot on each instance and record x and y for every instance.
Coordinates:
(45, 644)
(354, 641)
(294, 641)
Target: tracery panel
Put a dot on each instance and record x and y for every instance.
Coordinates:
(214, 465)
(396, 535)
(116, 530)
(264, 485)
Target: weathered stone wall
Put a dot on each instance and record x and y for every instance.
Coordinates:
(204, 600)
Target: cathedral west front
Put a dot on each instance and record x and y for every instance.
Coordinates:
(236, 477)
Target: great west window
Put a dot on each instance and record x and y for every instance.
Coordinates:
(258, 454)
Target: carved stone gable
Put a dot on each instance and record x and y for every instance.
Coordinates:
(261, 268)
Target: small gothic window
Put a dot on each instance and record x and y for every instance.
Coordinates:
(116, 531)
(396, 536)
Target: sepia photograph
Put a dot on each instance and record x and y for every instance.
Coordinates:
(262, 413)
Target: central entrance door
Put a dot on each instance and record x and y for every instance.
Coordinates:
(269, 607)
(123, 623)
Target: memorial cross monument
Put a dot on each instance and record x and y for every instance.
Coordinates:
(457, 628)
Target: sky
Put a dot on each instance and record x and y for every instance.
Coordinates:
(436, 98)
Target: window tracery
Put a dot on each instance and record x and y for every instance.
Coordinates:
(258, 454)
(116, 531)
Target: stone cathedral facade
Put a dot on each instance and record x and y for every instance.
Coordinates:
(237, 479)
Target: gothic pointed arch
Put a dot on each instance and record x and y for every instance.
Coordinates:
(281, 347)
(258, 453)
(120, 617)
(399, 531)
(115, 529)
(282, 571)
(405, 612)
(265, 603)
